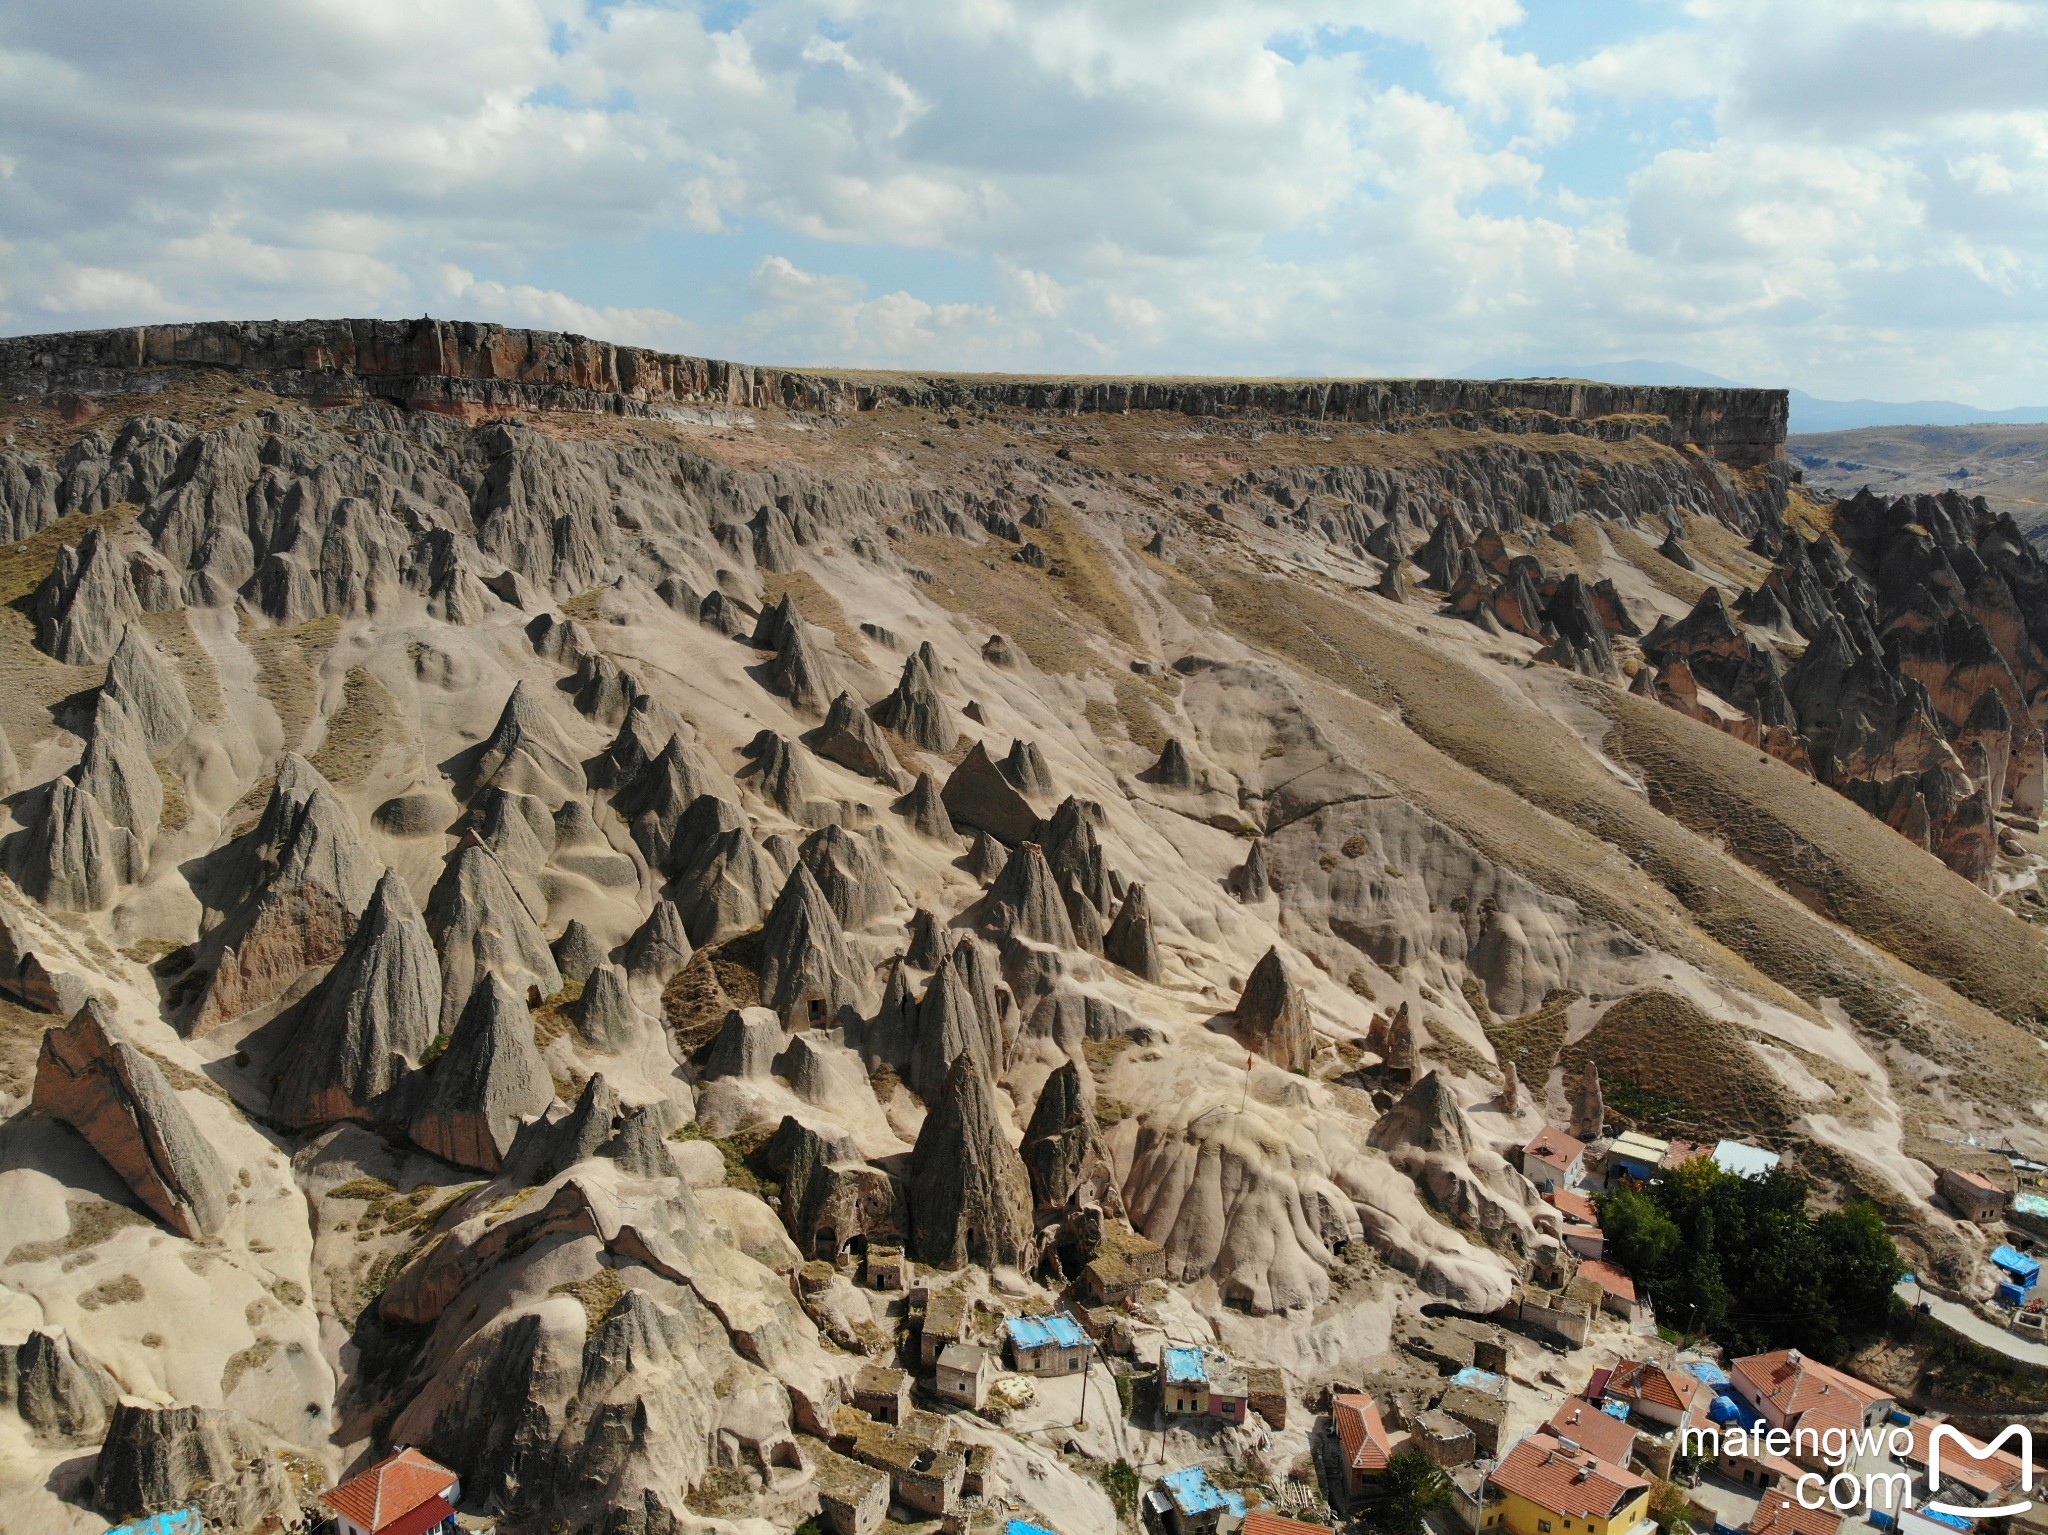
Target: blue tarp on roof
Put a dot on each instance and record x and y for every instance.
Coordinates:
(1953, 1521)
(1186, 1366)
(184, 1521)
(1615, 1410)
(2017, 1264)
(1706, 1370)
(1045, 1331)
(1729, 1408)
(1026, 1527)
(1193, 1493)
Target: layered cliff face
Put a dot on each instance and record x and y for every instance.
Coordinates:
(562, 794)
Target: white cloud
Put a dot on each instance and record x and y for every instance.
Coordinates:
(1848, 194)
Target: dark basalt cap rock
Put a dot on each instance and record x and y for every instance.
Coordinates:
(369, 1019)
(116, 1097)
(489, 1080)
(969, 1194)
(978, 795)
(1273, 1015)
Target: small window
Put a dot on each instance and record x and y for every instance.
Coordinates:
(1543, 1527)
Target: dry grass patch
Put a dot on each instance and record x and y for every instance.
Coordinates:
(359, 732)
(122, 1290)
(1668, 1067)
(288, 670)
(818, 605)
(92, 1222)
(254, 1357)
(21, 1038)
(1533, 1041)
(1686, 585)
(598, 1294)
(172, 632)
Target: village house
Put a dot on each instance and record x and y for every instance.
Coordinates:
(853, 1498)
(1581, 1423)
(1445, 1442)
(925, 1468)
(1617, 1292)
(881, 1392)
(1478, 1400)
(1543, 1487)
(948, 1318)
(1363, 1446)
(1261, 1521)
(1781, 1514)
(1764, 1471)
(1788, 1390)
(886, 1269)
(963, 1374)
(1268, 1387)
(405, 1493)
(1674, 1399)
(1183, 1381)
(1554, 1160)
(1229, 1391)
(1978, 1477)
(1972, 1195)
(1124, 1263)
(1047, 1345)
(1635, 1155)
(1186, 1502)
(1582, 1233)
(1568, 1316)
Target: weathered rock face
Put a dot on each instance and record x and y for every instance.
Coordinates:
(782, 771)
(157, 1458)
(829, 1196)
(577, 951)
(1025, 902)
(1428, 1137)
(924, 807)
(980, 797)
(605, 1015)
(728, 883)
(853, 740)
(117, 773)
(148, 691)
(87, 602)
(805, 957)
(367, 1024)
(747, 1044)
(1129, 941)
(54, 1388)
(849, 874)
(117, 1098)
(969, 1194)
(1063, 1152)
(914, 710)
(659, 947)
(952, 1022)
(1589, 1107)
(659, 797)
(73, 858)
(528, 754)
(1273, 1015)
(308, 874)
(800, 672)
(481, 927)
(486, 1082)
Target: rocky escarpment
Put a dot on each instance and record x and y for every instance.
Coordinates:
(478, 368)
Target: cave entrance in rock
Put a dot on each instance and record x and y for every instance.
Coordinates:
(856, 1248)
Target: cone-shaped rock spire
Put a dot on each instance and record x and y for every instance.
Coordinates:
(849, 874)
(914, 710)
(660, 946)
(528, 753)
(86, 603)
(979, 795)
(969, 1195)
(781, 770)
(1173, 770)
(117, 772)
(1027, 768)
(925, 809)
(605, 1016)
(853, 740)
(117, 1098)
(1589, 1104)
(804, 953)
(72, 859)
(986, 858)
(1076, 856)
(1025, 901)
(372, 1016)
(746, 1045)
(800, 673)
(949, 1025)
(1062, 1150)
(481, 927)
(489, 1079)
(1427, 1118)
(147, 688)
(1129, 941)
(577, 952)
(1251, 882)
(655, 801)
(1273, 1015)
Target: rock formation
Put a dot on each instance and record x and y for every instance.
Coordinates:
(577, 952)
(980, 797)
(164, 1458)
(1026, 767)
(925, 809)
(368, 1022)
(1589, 1108)
(1129, 941)
(968, 1192)
(1024, 902)
(805, 958)
(117, 1099)
(853, 740)
(55, 1389)
(799, 671)
(1062, 1149)
(87, 603)
(1273, 1015)
(727, 883)
(527, 753)
(148, 691)
(1172, 770)
(781, 770)
(481, 927)
(849, 874)
(985, 859)
(605, 1015)
(914, 710)
(488, 1080)
(73, 859)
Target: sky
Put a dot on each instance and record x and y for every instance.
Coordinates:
(1846, 196)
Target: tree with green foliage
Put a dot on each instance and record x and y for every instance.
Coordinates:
(1740, 1260)
(1409, 1489)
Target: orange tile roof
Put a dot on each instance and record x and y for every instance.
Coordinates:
(1364, 1436)
(1984, 1476)
(1261, 1522)
(1635, 1380)
(1587, 1426)
(1975, 1180)
(1780, 1515)
(1797, 1387)
(389, 1490)
(1554, 1147)
(1574, 1206)
(1682, 1152)
(1608, 1278)
(1570, 1484)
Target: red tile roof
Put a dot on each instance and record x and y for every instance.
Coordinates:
(1610, 1279)
(381, 1496)
(427, 1516)
(1682, 1152)
(1780, 1515)
(1590, 1428)
(1260, 1522)
(1975, 1180)
(1574, 1206)
(1571, 1484)
(1554, 1147)
(1364, 1436)
(1984, 1476)
(1798, 1388)
(1636, 1381)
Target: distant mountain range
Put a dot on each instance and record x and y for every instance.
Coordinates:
(1809, 413)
